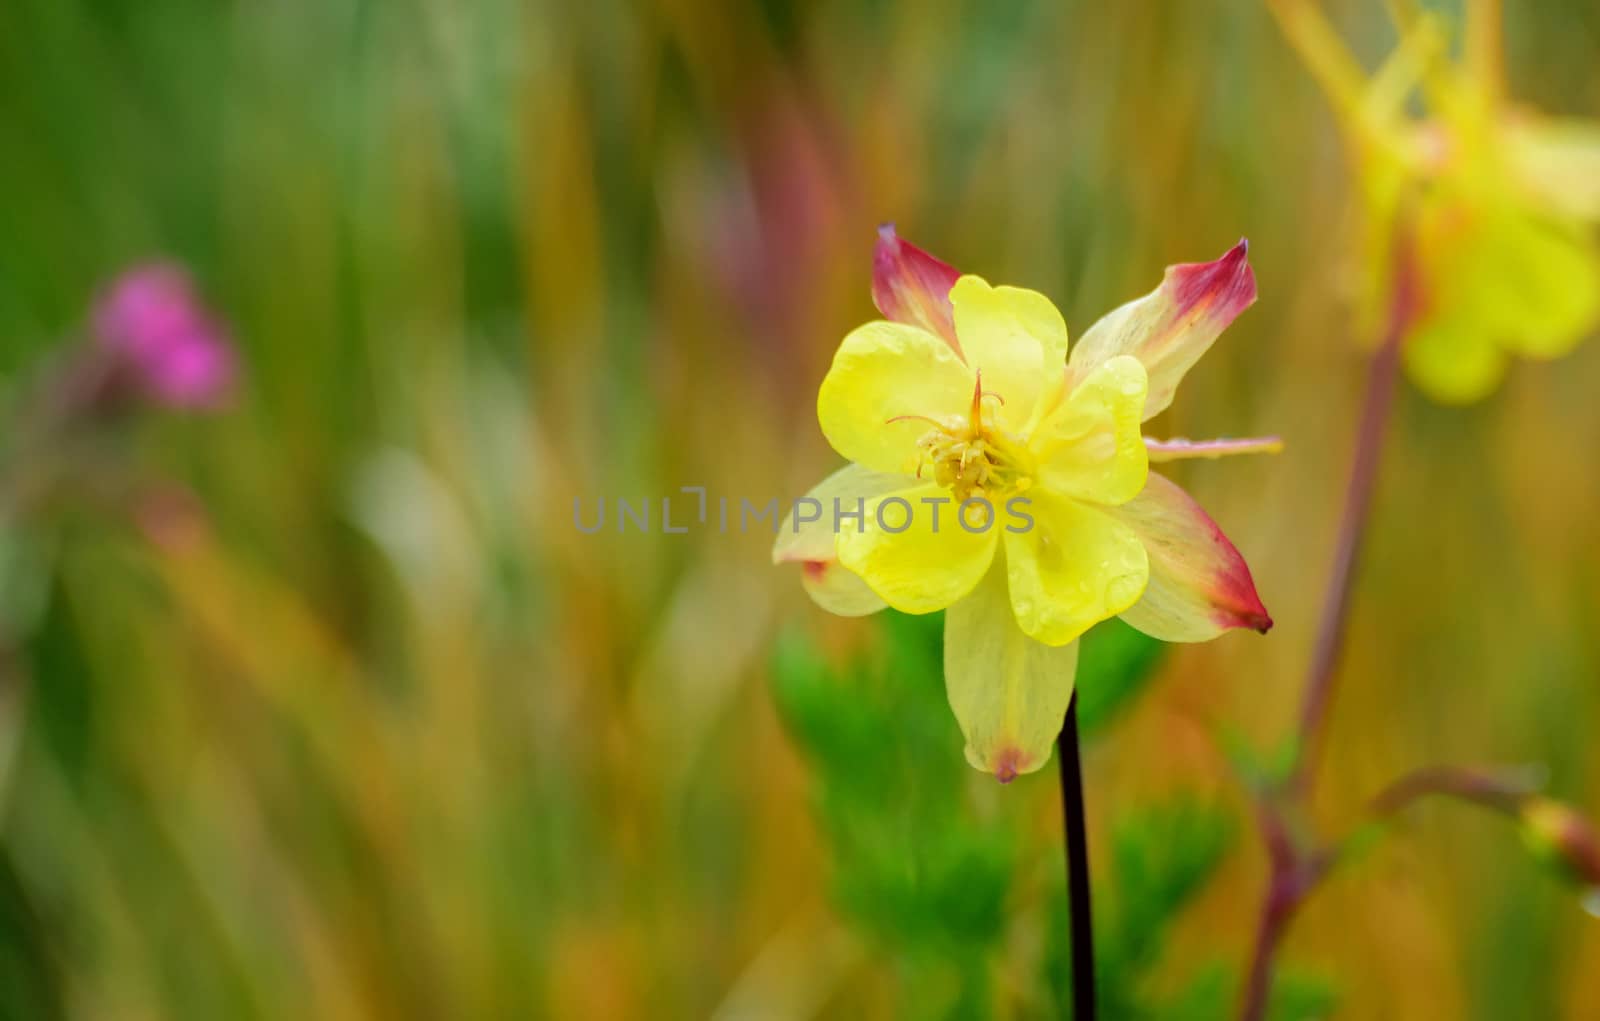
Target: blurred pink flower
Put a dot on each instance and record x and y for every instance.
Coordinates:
(179, 355)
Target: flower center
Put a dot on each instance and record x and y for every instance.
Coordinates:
(975, 457)
(971, 465)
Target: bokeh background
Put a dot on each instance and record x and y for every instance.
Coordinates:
(320, 706)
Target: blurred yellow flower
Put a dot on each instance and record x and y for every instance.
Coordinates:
(1556, 833)
(1501, 201)
(996, 478)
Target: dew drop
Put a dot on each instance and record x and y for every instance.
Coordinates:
(1591, 902)
(1123, 590)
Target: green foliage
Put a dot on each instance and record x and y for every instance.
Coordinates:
(1210, 995)
(28, 976)
(1301, 997)
(1160, 858)
(1259, 768)
(912, 868)
(889, 789)
(1213, 995)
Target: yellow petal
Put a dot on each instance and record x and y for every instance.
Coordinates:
(1559, 162)
(1009, 692)
(1074, 567)
(834, 588)
(1541, 282)
(1090, 447)
(1199, 584)
(1015, 338)
(1499, 279)
(807, 538)
(808, 532)
(912, 550)
(1453, 359)
(1171, 327)
(881, 373)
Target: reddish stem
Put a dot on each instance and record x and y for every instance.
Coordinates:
(1503, 793)
(1295, 870)
(1379, 400)
(1276, 910)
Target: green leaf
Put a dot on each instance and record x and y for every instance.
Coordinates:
(1209, 996)
(1163, 856)
(1300, 997)
(1213, 995)
(30, 983)
(1259, 769)
(1160, 858)
(912, 866)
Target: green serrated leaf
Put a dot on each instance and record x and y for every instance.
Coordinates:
(1163, 856)
(890, 795)
(1160, 858)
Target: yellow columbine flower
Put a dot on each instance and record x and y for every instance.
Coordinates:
(1500, 200)
(995, 477)
(1558, 834)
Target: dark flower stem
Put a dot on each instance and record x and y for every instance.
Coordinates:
(1295, 871)
(1077, 840)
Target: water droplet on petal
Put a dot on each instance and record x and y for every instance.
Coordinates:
(1123, 590)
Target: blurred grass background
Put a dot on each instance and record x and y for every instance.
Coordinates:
(355, 725)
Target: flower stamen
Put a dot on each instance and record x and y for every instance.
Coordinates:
(972, 457)
(977, 404)
(914, 418)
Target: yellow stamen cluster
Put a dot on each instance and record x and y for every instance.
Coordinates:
(970, 464)
(975, 457)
